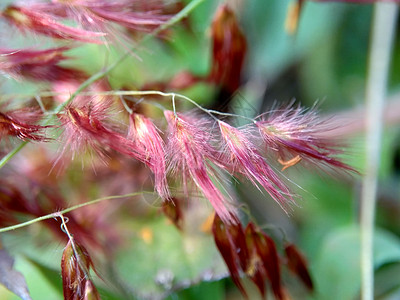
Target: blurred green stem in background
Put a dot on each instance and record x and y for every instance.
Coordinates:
(383, 27)
(59, 214)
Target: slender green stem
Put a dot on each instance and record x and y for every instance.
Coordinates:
(175, 19)
(11, 154)
(384, 22)
(69, 209)
(173, 96)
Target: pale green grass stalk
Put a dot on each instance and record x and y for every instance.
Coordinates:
(383, 27)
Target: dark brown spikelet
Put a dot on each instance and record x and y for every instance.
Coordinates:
(255, 269)
(226, 247)
(172, 210)
(266, 250)
(229, 49)
(298, 265)
(90, 291)
(238, 238)
(75, 266)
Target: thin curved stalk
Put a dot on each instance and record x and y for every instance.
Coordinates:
(69, 209)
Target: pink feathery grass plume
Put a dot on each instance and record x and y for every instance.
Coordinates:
(20, 123)
(127, 13)
(190, 154)
(296, 134)
(150, 145)
(27, 19)
(246, 160)
(75, 273)
(38, 65)
(107, 17)
(87, 126)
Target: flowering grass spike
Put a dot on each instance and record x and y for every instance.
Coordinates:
(247, 160)
(164, 182)
(27, 19)
(21, 124)
(151, 147)
(38, 65)
(97, 20)
(191, 154)
(75, 266)
(295, 134)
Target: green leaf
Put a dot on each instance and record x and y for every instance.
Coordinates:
(387, 280)
(337, 270)
(52, 276)
(11, 278)
(160, 259)
(205, 290)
